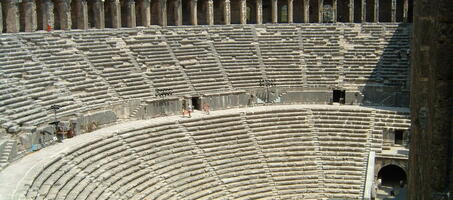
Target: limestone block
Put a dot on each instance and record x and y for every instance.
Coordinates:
(14, 129)
(7, 125)
(28, 139)
(92, 121)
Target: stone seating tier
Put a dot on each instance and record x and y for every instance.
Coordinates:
(88, 69)
(266, 152)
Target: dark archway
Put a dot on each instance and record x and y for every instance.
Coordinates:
(235, 11)
(385, 11)
(370, 10)
(108, 13)
(298, 11)
(202, 12)
(392, 175)
(172, 12)
(399, 10)
(155, 13)
(314, 14)
(21, 8)
(343, 11)
(186, 13)
(218, 12)
(91, 7)
(251, 12)
(410, 13)
(358, 11)
(39, 15)
(267, 12)
(282, 11)
(56, 14)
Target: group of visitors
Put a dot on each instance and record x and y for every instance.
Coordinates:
(189, 109)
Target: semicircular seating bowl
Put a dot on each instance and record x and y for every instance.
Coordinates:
(87, 70)
(286, 152)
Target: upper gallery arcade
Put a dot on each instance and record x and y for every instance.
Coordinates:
(32, 15)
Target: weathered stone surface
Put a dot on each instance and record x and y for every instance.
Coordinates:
(431, 163)
(93, 121)
(14, 129)
(194, 146)
(1, 18)
(11, 13)
(82, 14)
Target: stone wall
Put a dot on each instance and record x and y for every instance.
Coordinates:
(431, 163)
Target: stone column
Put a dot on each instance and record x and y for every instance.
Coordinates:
(210, 12)
(99, 14)
(145, 12)
(193, 12)
(274, 11)
(363, 11)
(115, 8)
(376, 11)
(290, 11)
(259, 11)
(31, 20)
(64, 7)
(243, 11)
(1, 18)
(306, 11)
(334, 11)
(81, 9)
(178, 12)
(320, 11)
(351, 10)
(393, 10)
(163, 12)
(130, 14)
(11, 16)
(48, 18)
(405, 10)
(227, 12)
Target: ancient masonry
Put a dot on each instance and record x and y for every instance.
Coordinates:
(116, 76)
(431, 157)
(282, 152)
(32, 15)
(309, 99)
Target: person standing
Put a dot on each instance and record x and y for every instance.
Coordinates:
(189, 110)
(206, 108)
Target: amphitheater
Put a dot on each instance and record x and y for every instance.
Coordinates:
(308, 99)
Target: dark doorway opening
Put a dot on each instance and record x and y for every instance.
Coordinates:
(184, 104)
(339, 96)
(196, 103)
(399, 136)
(392, 175)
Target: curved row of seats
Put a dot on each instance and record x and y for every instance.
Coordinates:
(284, 152)
(82, 70)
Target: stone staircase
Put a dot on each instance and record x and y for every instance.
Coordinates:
(135, 112)
(318, 153)
(6, 153)
(178, 65)
(202, 156)
(261, 154)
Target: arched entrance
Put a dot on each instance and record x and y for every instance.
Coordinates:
(393, 176)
